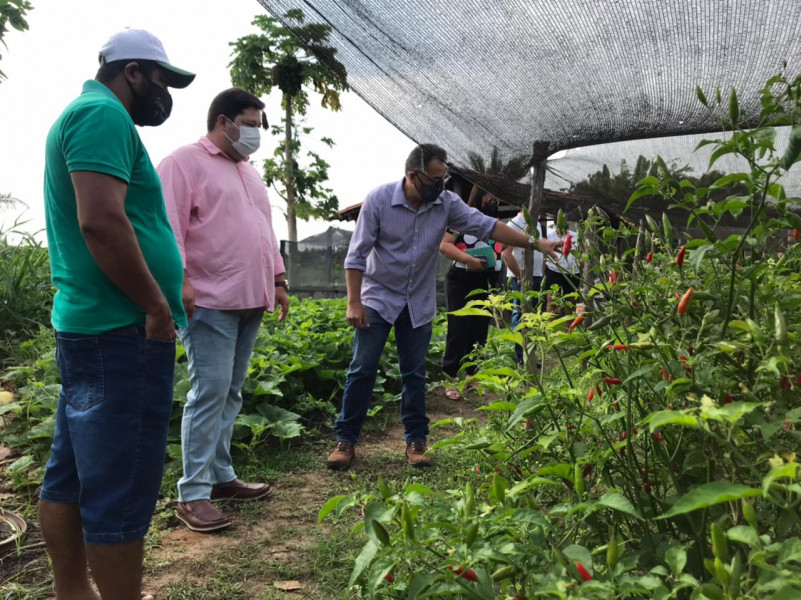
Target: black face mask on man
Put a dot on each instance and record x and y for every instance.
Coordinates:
(429, 193)
(153, 107)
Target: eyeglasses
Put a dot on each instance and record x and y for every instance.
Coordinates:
(443, 180)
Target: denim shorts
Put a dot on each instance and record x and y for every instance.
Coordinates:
(111, 430)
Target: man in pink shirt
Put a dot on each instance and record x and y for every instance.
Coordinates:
(233, 273)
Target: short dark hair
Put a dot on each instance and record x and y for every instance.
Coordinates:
(109, 70)
(422, 155)
(231, 103)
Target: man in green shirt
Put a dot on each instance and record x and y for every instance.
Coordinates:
(118, 274)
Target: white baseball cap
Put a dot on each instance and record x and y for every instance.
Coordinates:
(138, 44)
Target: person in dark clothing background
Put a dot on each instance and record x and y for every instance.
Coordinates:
(468, 272)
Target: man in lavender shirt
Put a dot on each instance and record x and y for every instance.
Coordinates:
(233, 273)
(390, 272)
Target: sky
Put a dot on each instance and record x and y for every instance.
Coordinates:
(47, 65)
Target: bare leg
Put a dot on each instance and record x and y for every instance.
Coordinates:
(117, 569)
(63, 532)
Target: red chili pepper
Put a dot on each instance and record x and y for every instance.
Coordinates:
(786, 425)
(389, 578)
(680, 256)
(658, 436)
(684, 303)
(567, 245)
(647, 487)
(583, 573)
(591, 394)
(796, 234)
(727, 399)
(478, 469)
(786, 383)
(613, 380)
(575, 322)
(665, 374)
(571, 427)
(687, 368)
(470, 575)
(623, 436)
(617, 347)
(798, 380)
(650, 257)
(598, 390)
(612, 277)
(690, 350)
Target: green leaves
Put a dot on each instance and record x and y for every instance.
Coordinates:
(709, 494)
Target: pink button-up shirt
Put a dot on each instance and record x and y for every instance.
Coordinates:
(220, 213)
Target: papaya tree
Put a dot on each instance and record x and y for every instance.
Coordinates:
(298, 61)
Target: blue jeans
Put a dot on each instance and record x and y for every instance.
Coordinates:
(368, 344)
(111, 430)
(219, 344)
(517, 311)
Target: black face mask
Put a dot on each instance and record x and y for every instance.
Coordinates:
(429, 193)
(152, 108)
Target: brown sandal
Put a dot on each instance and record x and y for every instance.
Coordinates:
(451, 393)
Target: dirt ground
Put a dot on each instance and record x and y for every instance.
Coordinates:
(272, 538)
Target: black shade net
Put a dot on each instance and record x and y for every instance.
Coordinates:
(473, 75)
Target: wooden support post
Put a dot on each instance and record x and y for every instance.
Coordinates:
(539, 158)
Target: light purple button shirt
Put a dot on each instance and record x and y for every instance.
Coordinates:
(397, 248)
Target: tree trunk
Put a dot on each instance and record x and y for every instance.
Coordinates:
(289, 184)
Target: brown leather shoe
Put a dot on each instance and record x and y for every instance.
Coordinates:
(201, 515)
(239, 490)
(416, 454)
(342, 455)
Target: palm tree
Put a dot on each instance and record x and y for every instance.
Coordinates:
(513, 169)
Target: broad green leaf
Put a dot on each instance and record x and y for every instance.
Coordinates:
(529, 483)
(730, 413)
(710, 494)
(499, 406)
(745, 534)
(786, 471)
(676, 559)
(329, 507)
(363, 560)
(471, 312)
(620, 503)
(660, 419)
(22, 464)
(418, 488)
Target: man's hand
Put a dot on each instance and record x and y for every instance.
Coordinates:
(282, 301)
(159, 325)
(549, 247)
(357, 316)
(188, 298)
(475, 264)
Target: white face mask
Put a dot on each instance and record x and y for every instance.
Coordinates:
(249, 139)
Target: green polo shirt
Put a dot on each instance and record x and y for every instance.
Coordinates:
(95, 133)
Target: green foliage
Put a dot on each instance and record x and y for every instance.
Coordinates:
(656, 457)
(26, 294)
(297, 60)
(294, 387)
(12, 12)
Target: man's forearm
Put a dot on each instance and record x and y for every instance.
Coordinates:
(115, 249)
(353, 280)
(506, 235)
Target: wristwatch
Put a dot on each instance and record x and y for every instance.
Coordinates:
(282, 284)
